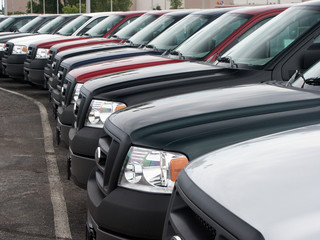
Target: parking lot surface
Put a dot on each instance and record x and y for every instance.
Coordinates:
(37, 200)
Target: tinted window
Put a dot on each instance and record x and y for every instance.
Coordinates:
(201, 44)
(136, 26)
(179, 32)
(104, 26)
(273, 37)
(91, 25)
(72, 26)
(48, 28)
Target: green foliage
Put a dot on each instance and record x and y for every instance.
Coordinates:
(74, 8)
(175, 4)
(37, 7)
(157, 8)
(104, 6)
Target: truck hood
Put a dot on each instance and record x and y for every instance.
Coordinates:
(34, 38)
(84, 49)
(86, 73)
(82, 42)
(139, 76)
(45, 43)
(5, 38)
(272, 183)
(104, 55)
(179, 122)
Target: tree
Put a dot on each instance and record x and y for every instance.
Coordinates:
(104, 6)
(74, 8)
(37, 7)
(175, 4)
(157, 8)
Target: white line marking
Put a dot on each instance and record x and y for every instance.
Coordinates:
(61, 220)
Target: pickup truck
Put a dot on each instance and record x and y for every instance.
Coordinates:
(16, 49)
(180, 31)
(13, 23)
(28, 29)
(238, 23)
(144, 84)
(141, 36)
(34, 67)
(144, 147)
(261, 189)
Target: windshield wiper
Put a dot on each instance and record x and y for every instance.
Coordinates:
(227, 59)
(153, 47)
(87, 34)
(129, 42)
(313, 81)
(294, 78)
(177, 53)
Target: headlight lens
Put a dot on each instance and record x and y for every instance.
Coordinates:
(2, 46)
(42, 53)
(19, 49)
(151, 170)
(76, 92)
(99, 111)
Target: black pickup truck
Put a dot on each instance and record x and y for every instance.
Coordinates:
(184, 24)
(101, 97)
(265, 188)
(144, 147)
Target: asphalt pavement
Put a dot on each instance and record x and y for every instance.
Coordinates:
(37, 200)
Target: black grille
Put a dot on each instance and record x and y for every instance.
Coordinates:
(32, 51)
(70, 86)
(8, 49)
(109, 150)
(51, 57)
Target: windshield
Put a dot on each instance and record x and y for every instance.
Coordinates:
(6, 23)
(272, 38)
(48, 28)
(179, 32)
(30, 25)
(72, 26)
(152, 30)
(104, 26)
(136, 26)
(201, 44)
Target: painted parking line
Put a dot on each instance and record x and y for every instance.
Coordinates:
(61, 221)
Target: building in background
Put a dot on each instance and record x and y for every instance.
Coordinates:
(165, 4)
(16, 6)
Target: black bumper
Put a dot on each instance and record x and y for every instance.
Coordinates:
(13, 66)
(65, 121)
(34, 71)
(82, 146)
(124, 213)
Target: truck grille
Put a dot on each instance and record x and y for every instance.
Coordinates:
(32, 51)
(191, 223)
(8, 49)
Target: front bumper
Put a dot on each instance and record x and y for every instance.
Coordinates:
(65, 121)
(34, 71)
(82, 146)
(125, 214)
(47, 75)
(13, 65)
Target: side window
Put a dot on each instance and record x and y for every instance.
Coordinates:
(126, 23)
(253, 28)
(90, 25)
(21, 22)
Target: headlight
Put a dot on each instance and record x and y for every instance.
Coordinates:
(99, 111)
(2, 46)
(42, 53)
(151, 170)
(19, 49)
(76, 92)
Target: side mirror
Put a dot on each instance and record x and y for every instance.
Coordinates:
(13, 29)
